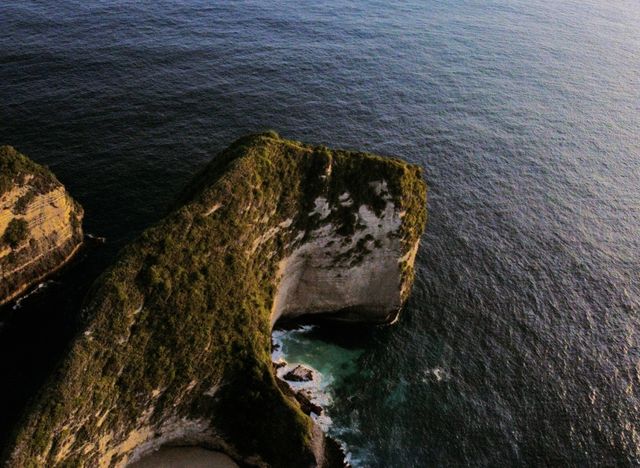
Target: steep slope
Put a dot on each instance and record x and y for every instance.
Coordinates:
(40, 224)
(177, 339)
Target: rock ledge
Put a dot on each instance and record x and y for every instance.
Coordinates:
(40, 224)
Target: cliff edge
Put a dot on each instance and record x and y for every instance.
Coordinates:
(40, 224)
(176, 346)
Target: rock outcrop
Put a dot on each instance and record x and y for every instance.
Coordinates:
(176, 342)
(40, 224)
(299, 373)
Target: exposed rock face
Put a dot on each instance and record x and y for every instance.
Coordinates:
(299, 373)
(176, 347)
(40, 224)
(356, 275)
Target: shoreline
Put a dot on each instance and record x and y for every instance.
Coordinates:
(180, 456)
(24, 289)
(311, 395)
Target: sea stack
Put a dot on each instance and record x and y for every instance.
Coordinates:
(175, 347)
(40, 224)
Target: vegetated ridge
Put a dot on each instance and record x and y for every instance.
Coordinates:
(176, 340)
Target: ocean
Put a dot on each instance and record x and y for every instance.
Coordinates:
(520, 344)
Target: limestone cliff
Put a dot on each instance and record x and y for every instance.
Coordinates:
(176, 346)
(357, 275)
(40, 224)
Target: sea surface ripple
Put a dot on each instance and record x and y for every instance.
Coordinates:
(521, 342)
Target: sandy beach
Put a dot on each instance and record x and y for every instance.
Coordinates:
(183, 457)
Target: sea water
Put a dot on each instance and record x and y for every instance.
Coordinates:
(521, 341)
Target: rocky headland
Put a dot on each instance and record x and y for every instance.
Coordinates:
(40, 224)
(175, 346)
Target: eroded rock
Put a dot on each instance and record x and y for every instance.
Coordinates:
(299, 373)
(40, 224)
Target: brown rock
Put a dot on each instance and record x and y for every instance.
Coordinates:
(40, 224)
(299, 374)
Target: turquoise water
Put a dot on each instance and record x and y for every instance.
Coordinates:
(520, 344)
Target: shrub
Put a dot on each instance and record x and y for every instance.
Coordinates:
(17, 232)
(14, 167)
(23, 202)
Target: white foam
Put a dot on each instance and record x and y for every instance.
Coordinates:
(437, 374)
(36, 290)
(317, 389)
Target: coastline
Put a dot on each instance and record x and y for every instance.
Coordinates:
(25, 288)
(139, 376)
(312, 393)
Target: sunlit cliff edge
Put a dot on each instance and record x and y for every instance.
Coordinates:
(40, 224)
(175, 346)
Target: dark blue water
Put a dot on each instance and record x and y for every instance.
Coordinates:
(521, 342)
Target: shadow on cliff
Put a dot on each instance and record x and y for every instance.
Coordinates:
(36, 330)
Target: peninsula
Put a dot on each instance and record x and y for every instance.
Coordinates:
(176, 342)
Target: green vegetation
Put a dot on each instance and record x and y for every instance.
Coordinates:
(15, 167)
(187, 306)
(16, 232)
(23, 202)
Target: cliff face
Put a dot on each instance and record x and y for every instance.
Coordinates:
(354, 276)
(176, 346)
(40, 224)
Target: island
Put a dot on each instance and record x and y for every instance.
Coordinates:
(175, 346)
(40, 224)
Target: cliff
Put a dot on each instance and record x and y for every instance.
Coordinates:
(176, 346)
(40, 224)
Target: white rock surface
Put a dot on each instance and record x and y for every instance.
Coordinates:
(358, 277)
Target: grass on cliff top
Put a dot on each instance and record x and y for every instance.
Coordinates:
(187, 306)
(14, 167)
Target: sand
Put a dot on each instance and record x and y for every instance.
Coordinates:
(183, 457)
